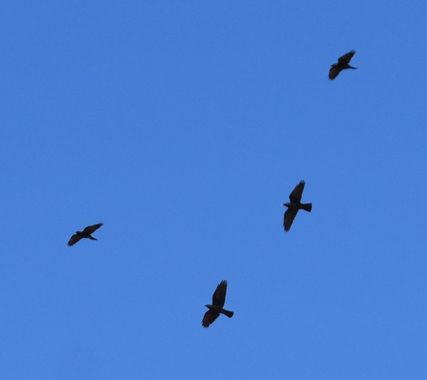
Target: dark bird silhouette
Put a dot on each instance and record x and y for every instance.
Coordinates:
(342, 64)
(218, 300)
(294, 205)
(85, 234)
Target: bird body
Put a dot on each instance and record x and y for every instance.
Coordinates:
(299, 206)
(220, 310)
(342, 64)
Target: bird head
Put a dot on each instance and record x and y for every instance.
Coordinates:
(287, 204)
(209, 306)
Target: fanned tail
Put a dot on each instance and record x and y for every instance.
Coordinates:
(306, 206)
(228, 313)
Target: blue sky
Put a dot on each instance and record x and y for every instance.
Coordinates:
(183, 127)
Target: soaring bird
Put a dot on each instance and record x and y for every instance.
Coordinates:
(218, 300)
(294, 205)
(85, 234)
(342, 64)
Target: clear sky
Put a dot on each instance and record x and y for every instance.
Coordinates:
(183, 126)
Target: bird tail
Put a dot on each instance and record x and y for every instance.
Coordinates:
(228, 313)
(306, 206)
(352, 67)
(91, 237)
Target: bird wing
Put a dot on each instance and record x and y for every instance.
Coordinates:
(334, 71)
(296, 194)
(74, 239)
(209, 317)
(346, 58)
(91, 229)
(218, 298)
(288, 218)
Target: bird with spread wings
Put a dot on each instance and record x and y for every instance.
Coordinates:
(85, 234)
(217, 306)
(294, 206)
(342, 64)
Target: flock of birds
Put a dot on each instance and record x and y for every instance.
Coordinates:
(293, 206)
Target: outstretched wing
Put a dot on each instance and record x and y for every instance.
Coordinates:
(218, 298)
(296, 194)
(334, 71)
(288, 218)
(74, 239)
(346, 58)
(91, 229)
(209, 317)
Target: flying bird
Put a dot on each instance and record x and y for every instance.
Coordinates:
(294, 205)
(218, 300)
(342, 64)
(85, 234)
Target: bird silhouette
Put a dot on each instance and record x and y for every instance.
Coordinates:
(85, 234)
(342, 64)
(218, 300)
(294, 206)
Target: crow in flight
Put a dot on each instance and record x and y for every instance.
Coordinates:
(85, 234)
(218, 300)
(294, 205)
(342, 64)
